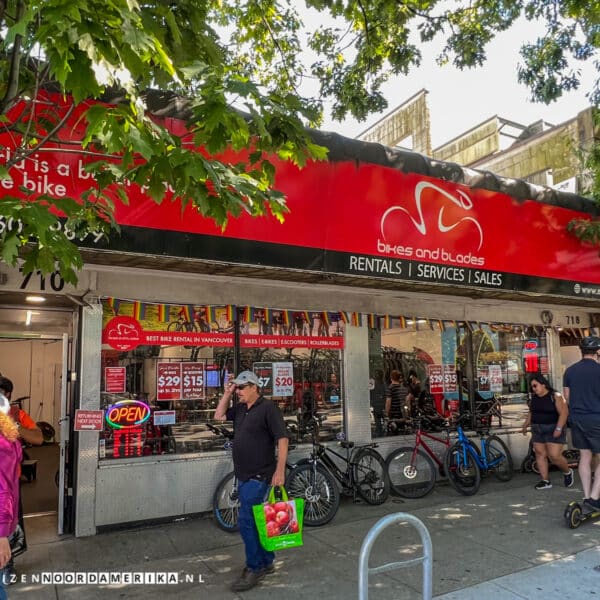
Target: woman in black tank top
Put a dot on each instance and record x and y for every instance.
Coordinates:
(548, 412)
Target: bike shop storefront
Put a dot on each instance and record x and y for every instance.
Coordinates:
(153, 371)
(463, 275)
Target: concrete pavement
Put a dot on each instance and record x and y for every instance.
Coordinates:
(509, 541)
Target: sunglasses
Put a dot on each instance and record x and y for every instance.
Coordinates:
(243, 386)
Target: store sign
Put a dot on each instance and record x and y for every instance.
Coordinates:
(435, 373)
(127, 414)
(128, 442)
(114, 380)
(88, 420)
(164, 417)
(483, 379)
(291, 341)
(264, 372)
(126, 332)
(495, 372)
(283, 379)
(168, 381)
(435, 230)
(450, 382)
(192, 380)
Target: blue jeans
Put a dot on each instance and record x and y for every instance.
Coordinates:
(252, 492)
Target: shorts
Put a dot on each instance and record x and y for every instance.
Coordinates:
(586, 435)
(543, 433)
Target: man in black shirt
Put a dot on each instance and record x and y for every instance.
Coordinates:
(258, 425)
(396, 401)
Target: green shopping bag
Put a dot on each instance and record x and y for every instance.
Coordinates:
(279, 522)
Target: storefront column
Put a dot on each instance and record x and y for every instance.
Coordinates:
(356, 378)
(554, 358)
(86, 450)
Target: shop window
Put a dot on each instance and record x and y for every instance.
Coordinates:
(163, 373)
(450, 368)
(416, 351)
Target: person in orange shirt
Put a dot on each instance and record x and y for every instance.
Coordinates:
(29, 433)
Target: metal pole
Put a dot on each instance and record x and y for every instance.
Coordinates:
(373, 534)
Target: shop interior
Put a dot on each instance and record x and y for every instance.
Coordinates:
(31, 356)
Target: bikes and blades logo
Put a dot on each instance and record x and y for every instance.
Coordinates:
(463, 224)
(123, 333)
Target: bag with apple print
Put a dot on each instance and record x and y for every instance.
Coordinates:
(279, 522)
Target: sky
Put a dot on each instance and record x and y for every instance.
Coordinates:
(459, 100)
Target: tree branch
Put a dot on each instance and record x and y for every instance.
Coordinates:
(15, 63)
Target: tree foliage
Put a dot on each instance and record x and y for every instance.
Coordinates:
(255, 73)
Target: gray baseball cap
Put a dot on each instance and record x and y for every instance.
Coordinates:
(247, 377)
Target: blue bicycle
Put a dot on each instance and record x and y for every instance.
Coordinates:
(464, 462)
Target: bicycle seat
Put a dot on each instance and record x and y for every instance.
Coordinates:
(346, 444)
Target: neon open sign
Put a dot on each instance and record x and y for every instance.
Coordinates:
(127, 413)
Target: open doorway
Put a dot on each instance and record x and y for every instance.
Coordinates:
(35, 354)
(35, 367)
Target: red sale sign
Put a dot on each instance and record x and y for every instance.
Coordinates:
(168, 381)
(283, 379)
(436, 379)
(192, 378)
(114, 380)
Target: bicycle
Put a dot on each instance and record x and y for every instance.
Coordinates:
(411, 470)
(316, 478)
(226, 502)
(464, 461)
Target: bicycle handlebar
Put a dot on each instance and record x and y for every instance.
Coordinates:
(220, 430)
(19, 401)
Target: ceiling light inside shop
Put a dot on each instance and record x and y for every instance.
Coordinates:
(29, 316)
(35, 299)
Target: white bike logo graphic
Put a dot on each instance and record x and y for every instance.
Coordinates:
(463, 201)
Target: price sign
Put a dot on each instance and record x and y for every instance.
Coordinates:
(450, 384)
(264, 372)
(483, 379)
(283, 379)
(436, 379)
(192, 376)
(114, 380)
(495, 378)
(168, 381)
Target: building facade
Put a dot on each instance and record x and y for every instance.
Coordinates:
(387, 260)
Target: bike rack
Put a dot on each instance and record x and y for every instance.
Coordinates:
(365, 551)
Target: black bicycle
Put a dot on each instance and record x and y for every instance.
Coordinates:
(226, 501)
(316, 478)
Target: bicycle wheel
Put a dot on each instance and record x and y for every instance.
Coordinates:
(226, 504)
(496, 449)
(462, 471)
(410, 474)
(368, 471)
(319, 489)
(175, 326)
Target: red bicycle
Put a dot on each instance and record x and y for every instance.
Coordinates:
(412, 472)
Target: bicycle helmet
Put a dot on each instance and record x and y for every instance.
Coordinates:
(590, 344)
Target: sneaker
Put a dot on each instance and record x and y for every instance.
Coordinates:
(592, 503)
(544, 484)
(568, 478)
(248, 579)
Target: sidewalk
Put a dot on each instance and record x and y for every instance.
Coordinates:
(507, 542)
